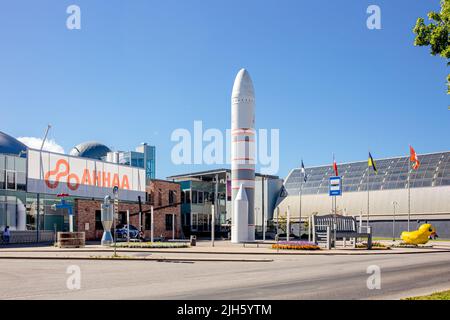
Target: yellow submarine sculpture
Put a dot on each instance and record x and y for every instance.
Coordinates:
(421, 236)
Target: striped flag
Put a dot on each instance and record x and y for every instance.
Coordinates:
(372, 163)
(305, 176)
(413, 158)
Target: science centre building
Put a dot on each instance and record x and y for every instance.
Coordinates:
(32, 183)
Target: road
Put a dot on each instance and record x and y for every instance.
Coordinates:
(287, 277)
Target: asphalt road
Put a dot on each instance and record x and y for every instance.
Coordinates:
(287, 277)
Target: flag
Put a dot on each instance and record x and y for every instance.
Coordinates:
(335, 168)
(372, 163)
(413, 158)
(305, 176)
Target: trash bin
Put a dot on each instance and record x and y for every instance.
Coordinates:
(193, 241)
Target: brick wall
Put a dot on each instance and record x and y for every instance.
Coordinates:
(85, 211)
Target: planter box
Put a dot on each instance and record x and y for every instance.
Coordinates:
(71, 239)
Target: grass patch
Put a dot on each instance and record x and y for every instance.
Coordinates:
(445, 295)
(154, 245)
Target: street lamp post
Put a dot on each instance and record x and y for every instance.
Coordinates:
(256, 214)
(173, 226)
(395, 204)
(216, 208)
(288, 223)
(116, 214)
(152, 228)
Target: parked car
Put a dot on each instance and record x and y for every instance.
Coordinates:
(122, 232)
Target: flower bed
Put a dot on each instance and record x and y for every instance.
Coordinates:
(154, 245)
(375, 246)
(295, 245)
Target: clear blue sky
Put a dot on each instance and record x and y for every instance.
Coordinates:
(137, 70)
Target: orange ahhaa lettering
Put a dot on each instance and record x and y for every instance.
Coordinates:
(86, 179)
(116, 181)
(125, 183)
(107, 179)
(91, 178)
(97, 178)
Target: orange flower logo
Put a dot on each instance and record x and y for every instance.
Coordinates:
(60, 173)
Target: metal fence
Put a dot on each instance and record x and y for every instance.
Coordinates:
(24, 237)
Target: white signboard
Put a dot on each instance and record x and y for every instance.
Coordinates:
(52, 173)
(335, 186)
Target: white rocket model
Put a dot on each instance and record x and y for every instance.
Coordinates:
(243, 158)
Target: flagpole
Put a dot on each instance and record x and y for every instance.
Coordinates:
(368, 197)
(300, 211)
(332, 198)
(409, 197)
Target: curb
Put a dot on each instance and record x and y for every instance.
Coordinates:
(280, 253)
(106, 258)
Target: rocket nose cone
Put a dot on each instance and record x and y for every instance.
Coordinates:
(242, 194)
(243, 85)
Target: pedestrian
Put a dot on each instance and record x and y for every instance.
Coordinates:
(6, 235)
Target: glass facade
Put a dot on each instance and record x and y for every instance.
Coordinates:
(197, 201)
(434, 171)
(143, 157)
(18, 209)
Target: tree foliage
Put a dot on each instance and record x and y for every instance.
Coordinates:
(435, 34)
(282, 223)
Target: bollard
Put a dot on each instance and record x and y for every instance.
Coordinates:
(328, 238)
(193, 241)
(369, 238)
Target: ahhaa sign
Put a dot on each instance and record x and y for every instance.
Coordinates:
(51, 173)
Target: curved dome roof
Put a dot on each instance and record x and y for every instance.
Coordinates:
(10, 145)
(91, 150)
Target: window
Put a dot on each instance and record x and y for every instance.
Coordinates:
(200, 197)
(194, 197)
(206, 196)
(171, 197)
(188, 196)
(10, 180)
(148, 221)
(98, 220)
(122, 218)
(222, 201)
(169, 222)
(21, 181)
(2, 179)
(194, 221)
(183, 197)
(150, 198)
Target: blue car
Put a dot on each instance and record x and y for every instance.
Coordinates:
(122, 232)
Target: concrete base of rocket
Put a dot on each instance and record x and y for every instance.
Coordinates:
(239, 227)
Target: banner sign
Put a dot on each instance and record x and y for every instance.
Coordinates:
(51, 173)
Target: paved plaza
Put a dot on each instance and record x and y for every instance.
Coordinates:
(223, 272)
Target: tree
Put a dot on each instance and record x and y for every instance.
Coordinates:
(436, 33)
(282, 223)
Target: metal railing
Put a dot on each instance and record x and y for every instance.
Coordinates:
(27, 237)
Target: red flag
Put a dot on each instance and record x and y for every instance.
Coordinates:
(413, 158)
(335, 168)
